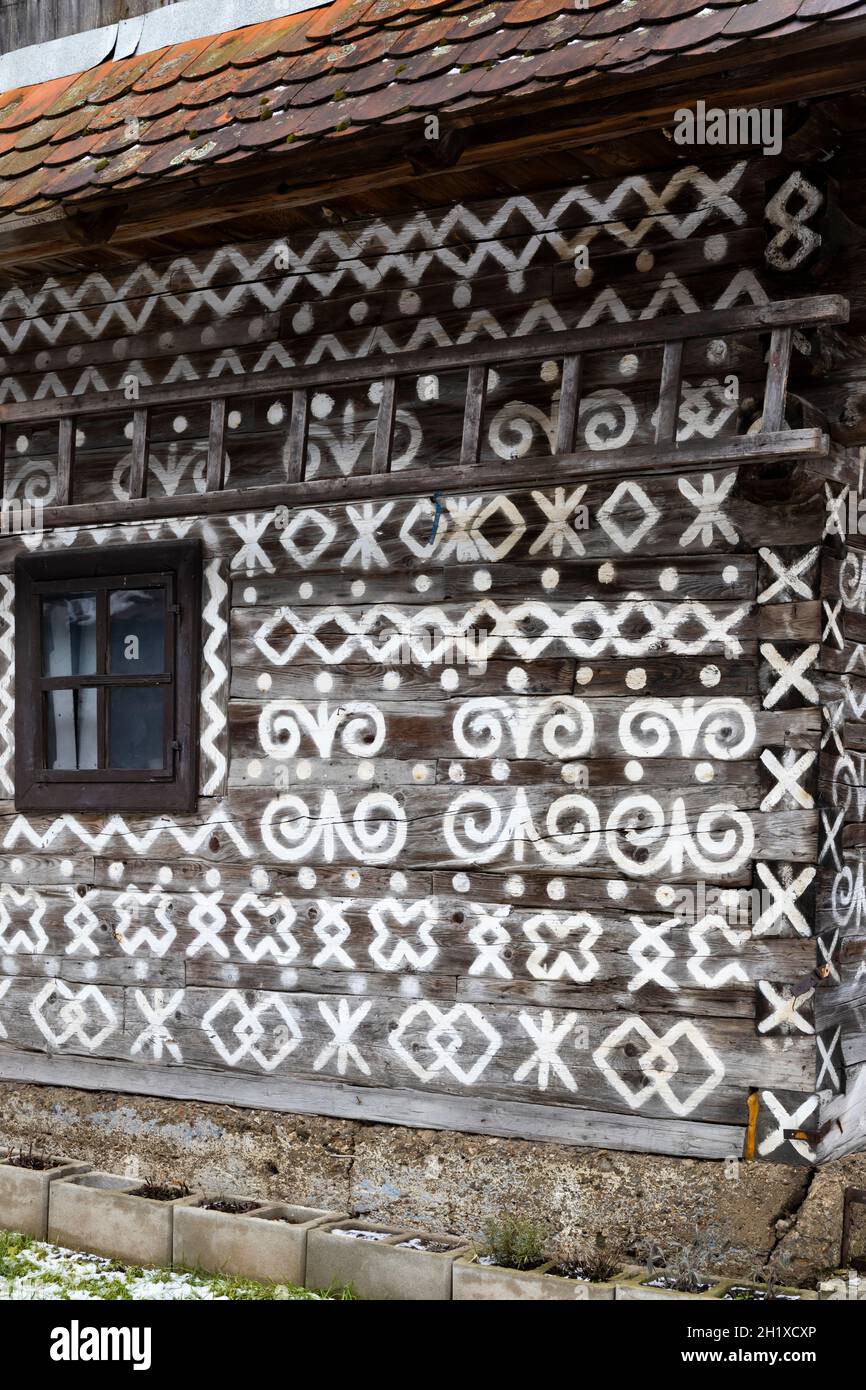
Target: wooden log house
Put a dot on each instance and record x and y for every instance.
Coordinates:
(432, 597)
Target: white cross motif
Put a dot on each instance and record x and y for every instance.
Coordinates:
(790, 673)
(74, 1015)
(31, 940)
(342, 1025)
(784, 892)
(157, 1035)
(137, 909)
(777, 1137)
(548, 1038)
(365, 549)
(249, 1030)
(445, 1041)
(825, 1057)
(830, 834)
(828, 951)
(276, 913)
(547, 930)
(834, 726)
(332, 929)
(558, 532)
(698, 934)
(651, 967)
(785, 1016)
(787, 774)
(251, 556)
(710, 512)
(659, 1050)
(490, 938)
(787, 576)
(208, 919)
(832, 631)
(404, 933)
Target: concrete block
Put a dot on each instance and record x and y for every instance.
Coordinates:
(268, 1243)
(24, 1194)
(97, 1212)
(382, 1263)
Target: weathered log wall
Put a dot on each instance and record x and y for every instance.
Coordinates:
(475, 887)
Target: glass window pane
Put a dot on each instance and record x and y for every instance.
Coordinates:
(69, 635)
(136, 727)
(71, 732)
(137, 621)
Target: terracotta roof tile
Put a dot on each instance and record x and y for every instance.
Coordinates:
(347, 67)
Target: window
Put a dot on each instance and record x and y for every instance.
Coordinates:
(106, 675)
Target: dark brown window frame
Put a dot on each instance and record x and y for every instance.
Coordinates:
(175, 565)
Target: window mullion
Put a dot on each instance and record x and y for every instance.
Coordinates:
(102, 670)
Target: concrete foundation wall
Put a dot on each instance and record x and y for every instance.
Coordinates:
(442, 1180)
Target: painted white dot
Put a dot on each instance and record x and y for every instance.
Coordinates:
(11, 967)
(359, 311)
(550, 579)
(115, 871)
(142, 969)
(398, 883)
(254, 769)
(288, 978)
(556, 890)
(212, 878)
(514, 886)
(645, 261)
(16, 866)
(606, 573)
(710, 675)
(517, 679)
(180, 424)
(276, 413)
(462, 295)
(235, 419)
(704, 772)
(22, 444)
(420, 773)
(482, 579)
(422, 583)
(427, 387)
(549, 372)
(730, 574)
(260, 879)
(493, 379)
(717, 351)
(208, 336)
(572, 772)
(366, 771)
(303, 320)
(66, 867)
(665, 895)
(264, 681)
(617, 889)
(449, 680)
(583, 276)
(633, 771)
(409, 987)
(374, 392)
(628, 364)
(321, 405)
(324, 682)
(500, 770)
(516, 281)
(583, 675)
(79, 438)
(409, 302)
(636, 678)
(305, 590)
(128, 430)
(359, 588)
(90, 970)
(166, 341)
(229, 974)
(352, 878)
(250, 594)
(303, 770)
(165, 874)
(255, 327)
(456, 772)
(391, 680)
(307, 878)
(669, 579)
(460, 883)
(715, 246)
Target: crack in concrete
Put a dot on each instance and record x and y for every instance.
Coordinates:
(790, 1214)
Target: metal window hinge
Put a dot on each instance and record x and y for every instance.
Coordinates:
(176, 745)
(174, 608)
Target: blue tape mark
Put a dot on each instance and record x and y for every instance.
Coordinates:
(437, 500)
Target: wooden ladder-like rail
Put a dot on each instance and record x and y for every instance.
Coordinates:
(569, 347)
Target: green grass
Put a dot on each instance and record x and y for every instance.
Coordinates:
(32, 1269)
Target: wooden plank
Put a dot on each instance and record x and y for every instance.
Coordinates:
(669, 393)
(65, 461)
(384, 436)
(140, 452)
(296, 448)
(473, 414)
(778, 362)
(757, 318)
(569, 402)
(216, 446)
